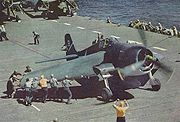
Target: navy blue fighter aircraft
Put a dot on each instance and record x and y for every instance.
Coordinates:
(120, 66)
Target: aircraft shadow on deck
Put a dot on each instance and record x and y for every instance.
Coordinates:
(4, 17)
(31, 43)
(147, 89)
(33, 10)
(33, 16)
(86, 90)
(78, 93)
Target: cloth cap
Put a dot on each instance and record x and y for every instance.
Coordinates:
(36, 78)
(55, 120)
(31, 79)
(42, 76)
(27, 79)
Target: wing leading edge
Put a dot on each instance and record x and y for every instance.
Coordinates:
(76, 68)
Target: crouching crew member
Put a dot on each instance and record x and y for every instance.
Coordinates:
(121, 107)
(65, 84)
(12, 82)
(15, 73)
(36, 37)
(28, 69)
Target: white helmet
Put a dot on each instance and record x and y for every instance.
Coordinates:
(66, 76)
(36, 78)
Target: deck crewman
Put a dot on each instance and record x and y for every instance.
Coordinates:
(28, 69)
(10, 87)
(175, 32)
(121, 107)
(36, 37)
(3, 33)
(54, 85)
(109, 20)
(28, 89)
(35, 84)
(65, 84)
(43, 84)
(15, 73)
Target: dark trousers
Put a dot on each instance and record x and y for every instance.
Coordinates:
(34, 94)
(3, 34)
(121, 119)
(54, 92)
(69, 94)
(44, 94)
(0, 37)
(36, 39)
(10, 88)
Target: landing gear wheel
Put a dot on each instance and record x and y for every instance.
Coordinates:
(157, 86)
(106, 94)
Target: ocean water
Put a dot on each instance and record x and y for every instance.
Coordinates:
(167, 12)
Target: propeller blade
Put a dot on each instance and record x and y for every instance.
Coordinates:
(129, 70)
(165, 65)
(163, 75)
(165, 69)
(143, 37)
(66, 57)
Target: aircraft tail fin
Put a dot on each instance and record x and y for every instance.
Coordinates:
(69, 45)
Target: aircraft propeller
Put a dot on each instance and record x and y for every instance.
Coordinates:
(164, 64)
(143, 37)
(165, 68)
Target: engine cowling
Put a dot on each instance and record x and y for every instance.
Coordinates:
(133, 55)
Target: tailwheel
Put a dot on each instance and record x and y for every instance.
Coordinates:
(106, 94)
(157, 85)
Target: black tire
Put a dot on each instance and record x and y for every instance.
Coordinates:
(106, 94)
(157, 86)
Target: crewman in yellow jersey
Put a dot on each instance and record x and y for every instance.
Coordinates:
(121, 107)
(43, 84)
